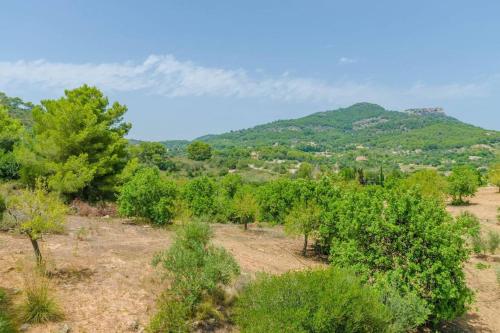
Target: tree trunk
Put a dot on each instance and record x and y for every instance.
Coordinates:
(36, 248)
(304, 250)
(246, 226)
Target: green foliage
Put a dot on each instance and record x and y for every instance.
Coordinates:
(199, 151)
(151, 154)
(494, 175)
(172, 316)
(3, 206)
(331, 300)
(39, 305)
(200, 195)
(411, 240)
(230, 184)
(37, 212)
(388, 136)
(11, 131)
(6, 325)
(303, 219)
(277, 197)
(482, 266)
(462, 182)
(408, 310)
(429, 182)
(9, 168)
(305, 171)
(493, 241)
(197, 270)
(17, 108)
(77, 143)
(148, 195)
(245, 206)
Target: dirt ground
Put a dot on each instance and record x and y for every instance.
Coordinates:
(104, 281)
(485, 315)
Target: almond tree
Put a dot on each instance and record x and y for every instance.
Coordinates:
(37, 212)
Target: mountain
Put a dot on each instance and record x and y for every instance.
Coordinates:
(370, 135)
(362, 124)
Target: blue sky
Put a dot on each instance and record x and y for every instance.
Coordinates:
(189, 68)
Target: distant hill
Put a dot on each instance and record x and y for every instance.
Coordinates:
(363, 124)
(18, 108)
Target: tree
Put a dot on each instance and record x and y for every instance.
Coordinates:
(305, 170)
(429, 182)
(245, 206)
(230, 184)
(494, 175)
(462, 182)
(11, 131)
(409, 239)
(37, 212)
(303, 219)
(78, 144)
(200, 194)
(151, 154)
(148, 195)
(199, 151)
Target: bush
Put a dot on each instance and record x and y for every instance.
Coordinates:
(331, 300)
(200, 194)
(149, 196)
(199, 151)
(411, 240)
(245, 206)
(3, 207)
(6, 325)
(493, 241)
(197, 271)
(463, 182)
(39, 306)
(172, 316)
(277, 197)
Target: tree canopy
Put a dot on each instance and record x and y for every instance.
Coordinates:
(78, 144)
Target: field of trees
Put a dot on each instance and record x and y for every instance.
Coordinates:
(99, 233)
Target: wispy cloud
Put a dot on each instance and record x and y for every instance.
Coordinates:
(346, 61)
(167, 76)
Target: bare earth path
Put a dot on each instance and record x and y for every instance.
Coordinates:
(105, 283)
(104, 280)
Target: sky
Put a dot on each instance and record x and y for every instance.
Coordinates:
(190, 68)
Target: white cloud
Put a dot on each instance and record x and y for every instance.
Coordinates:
(165, 75)
(346, 61)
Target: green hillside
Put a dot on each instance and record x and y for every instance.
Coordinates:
(413, 137)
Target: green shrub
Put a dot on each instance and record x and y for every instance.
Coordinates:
(245, 206)
(408, 310)
(3, 206)
(197, 270)
(493, 241)
(6, 325)
(277, 197)
(200, 195)
(199, 151)
(463, 182)
(39, 305)
(148, 195)
(331, 300)
(410, 239)
(172, 316)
